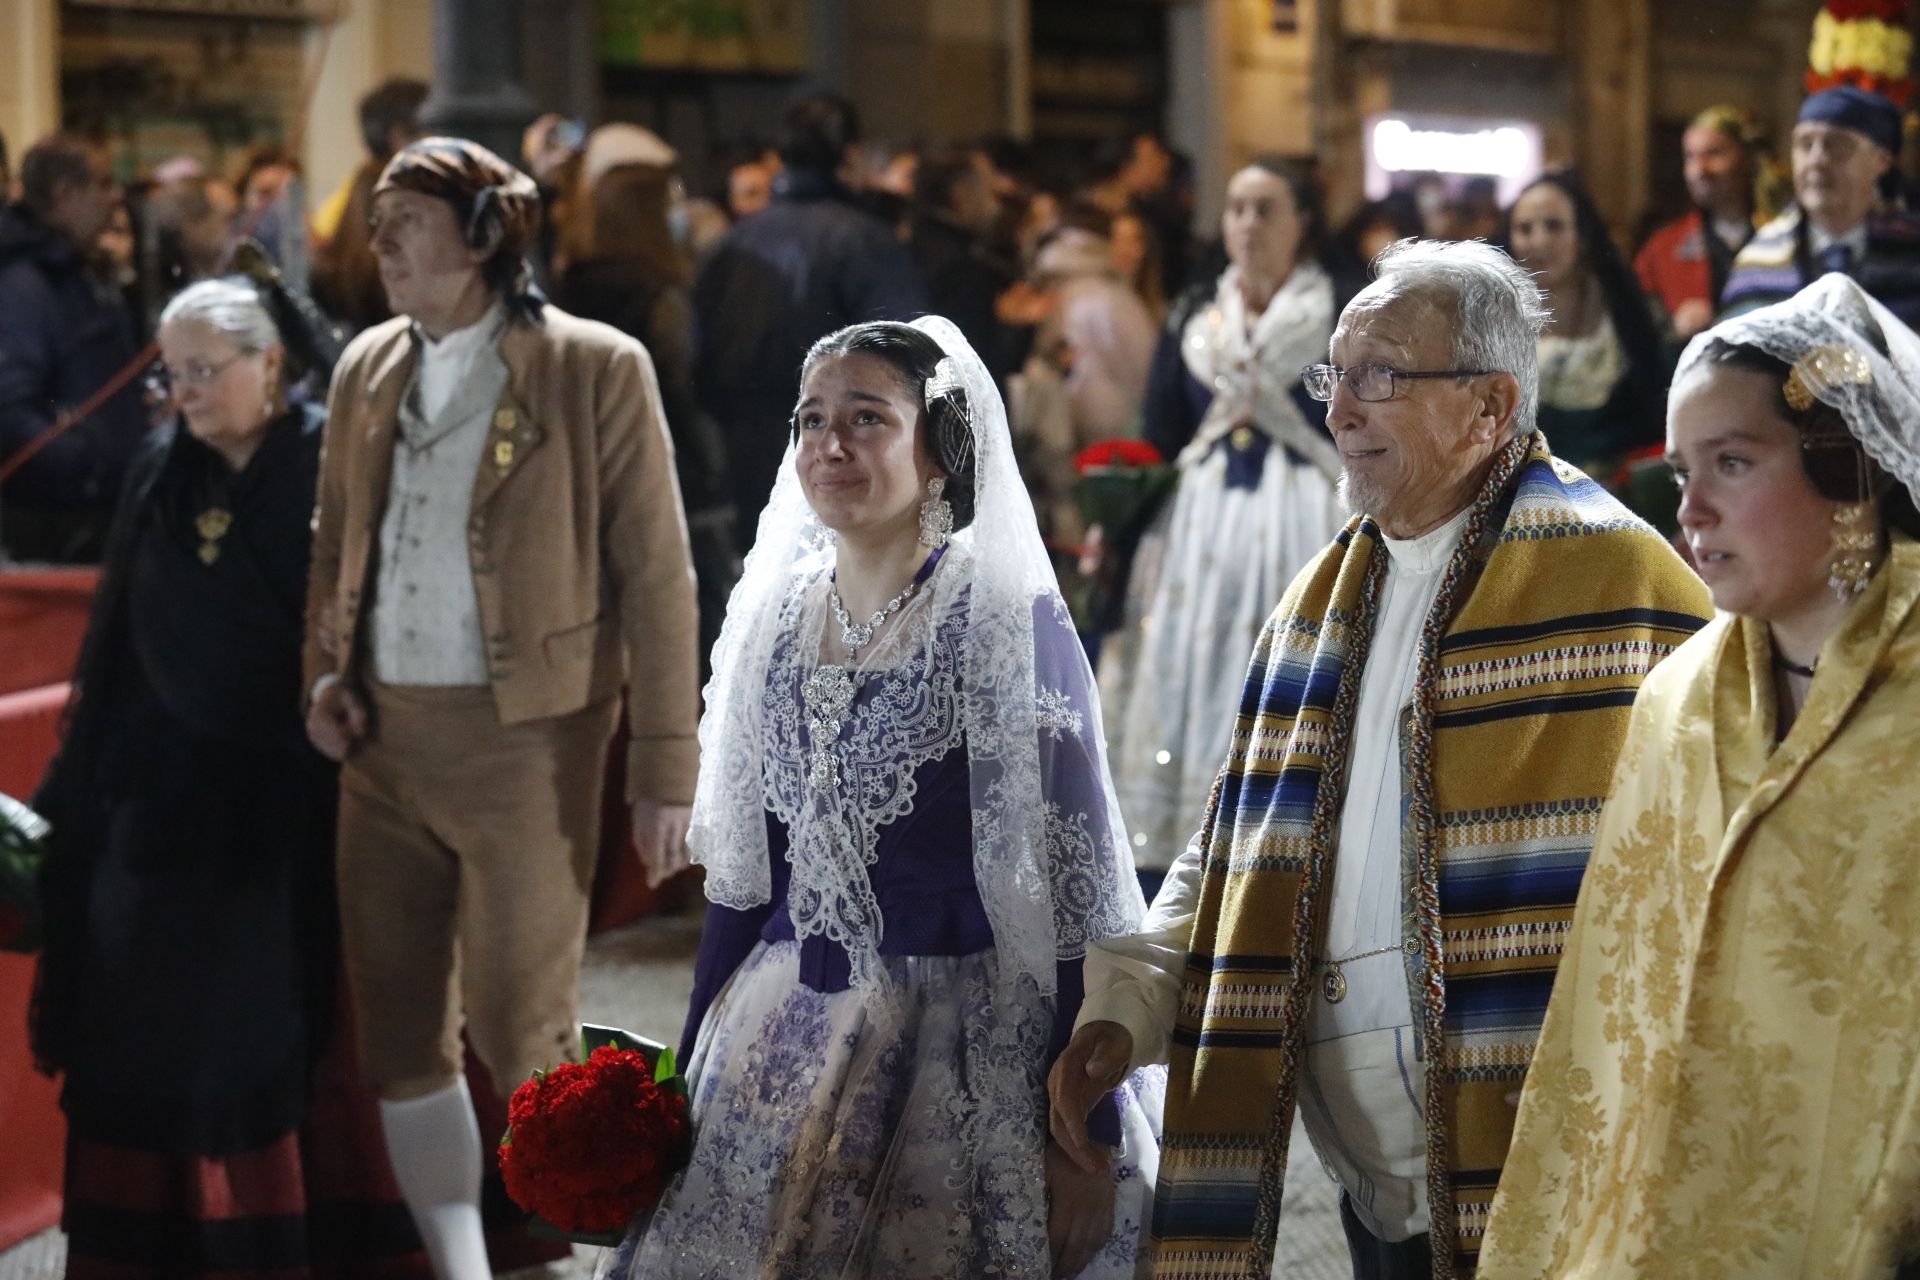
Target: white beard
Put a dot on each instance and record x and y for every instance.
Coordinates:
(1360, 496)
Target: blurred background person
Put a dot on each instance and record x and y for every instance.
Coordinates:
(1255, 501)
(186, 988)
(811, 262)
(742, 185)
(623, 267)
(1134, 173)
(1476, 212)
(63, 338)
(186, 234)
(1434, 200)
(1086, 369)
(1843, 217)
(953, 210)
(750, 178)
(1137, 257)
(269, 196)
(1099, 327)
(346, 278)
(1603, 371)
(1371, 228)
(1684, 264)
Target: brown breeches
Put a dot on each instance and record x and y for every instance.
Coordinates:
(467, 853)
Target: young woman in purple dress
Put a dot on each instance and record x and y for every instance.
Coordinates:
(910, 837)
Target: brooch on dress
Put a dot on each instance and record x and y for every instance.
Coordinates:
(212, 525)
(828, 697)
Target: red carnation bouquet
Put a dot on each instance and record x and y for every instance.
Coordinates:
(1122, 483)
(590, 1146)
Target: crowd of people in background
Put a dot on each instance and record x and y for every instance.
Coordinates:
(1065, 281)
(1060, 279)
(1092, 306)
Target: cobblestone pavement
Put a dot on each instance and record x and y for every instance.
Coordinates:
(640, 978)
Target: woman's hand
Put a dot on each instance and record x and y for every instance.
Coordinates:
(337, 720)
(1079, 1212)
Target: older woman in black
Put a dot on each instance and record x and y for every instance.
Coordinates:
(185, 987)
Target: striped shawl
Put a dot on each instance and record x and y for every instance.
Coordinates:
(1554, 608)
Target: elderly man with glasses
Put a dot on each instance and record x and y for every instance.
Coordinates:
(1367, 923)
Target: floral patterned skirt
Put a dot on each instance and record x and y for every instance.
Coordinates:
(831, 1144)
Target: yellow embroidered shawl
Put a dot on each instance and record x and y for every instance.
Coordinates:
(1727, 1085)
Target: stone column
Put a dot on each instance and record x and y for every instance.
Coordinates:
(476, 75)
(29, 73)
(1612, 62)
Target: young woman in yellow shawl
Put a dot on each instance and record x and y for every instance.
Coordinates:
(1727, 1084)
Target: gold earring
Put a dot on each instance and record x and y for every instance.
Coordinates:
(1855, 538)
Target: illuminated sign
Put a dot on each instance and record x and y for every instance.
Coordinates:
(1506, 150)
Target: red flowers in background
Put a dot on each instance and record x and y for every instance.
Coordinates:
(1117, 453)
(591, 1145)
(1888, 11)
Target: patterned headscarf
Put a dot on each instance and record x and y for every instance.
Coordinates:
(493, 202)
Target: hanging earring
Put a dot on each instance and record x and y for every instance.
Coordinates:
(1854, 540)
(936, 515)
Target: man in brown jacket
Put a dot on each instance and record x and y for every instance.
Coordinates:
(498, 548)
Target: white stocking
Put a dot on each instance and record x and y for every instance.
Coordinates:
(434, 1143)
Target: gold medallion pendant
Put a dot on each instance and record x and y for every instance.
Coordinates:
(212, 525)
(1333, 985)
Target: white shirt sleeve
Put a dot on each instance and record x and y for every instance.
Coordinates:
(1135, 980)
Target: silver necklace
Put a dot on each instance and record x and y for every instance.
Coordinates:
(828, 692)
(858, 636)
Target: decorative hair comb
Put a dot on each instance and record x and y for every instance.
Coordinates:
(1824, 369)
(945, 379)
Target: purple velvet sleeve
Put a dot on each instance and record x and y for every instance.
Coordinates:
(1074, 779)
(725, 940)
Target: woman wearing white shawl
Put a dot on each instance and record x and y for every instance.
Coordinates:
(1255, 502)
(899, 906)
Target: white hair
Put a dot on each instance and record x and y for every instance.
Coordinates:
(230, 305)
(1497, 309)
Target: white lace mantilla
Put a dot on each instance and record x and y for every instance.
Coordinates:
(984, 655)
(905, 712)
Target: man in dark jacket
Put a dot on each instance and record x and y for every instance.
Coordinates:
(63, 336)
(807, 264)
(952, 209)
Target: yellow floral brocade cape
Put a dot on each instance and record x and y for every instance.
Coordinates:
(1727, 1084)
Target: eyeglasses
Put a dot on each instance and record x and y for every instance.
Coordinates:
(1370, 382)
(198, 374)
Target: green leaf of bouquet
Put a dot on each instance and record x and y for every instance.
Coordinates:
(663, 1069)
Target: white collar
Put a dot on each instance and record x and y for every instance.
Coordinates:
(1429, 552)
(460, 345)
(1820, 241)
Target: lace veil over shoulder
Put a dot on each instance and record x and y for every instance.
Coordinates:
(984, 656)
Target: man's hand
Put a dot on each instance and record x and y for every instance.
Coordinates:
(1094, 1062)
(337, 721)
(660, 838)
(1079, 1212)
